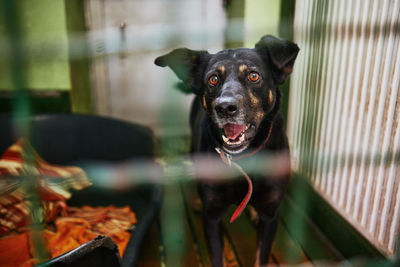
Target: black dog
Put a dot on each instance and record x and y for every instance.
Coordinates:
(236, 112)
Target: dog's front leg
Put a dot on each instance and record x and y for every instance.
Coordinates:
(213, 232)
(266, 234)
(216, 200)
(266, 230)
(212, 217)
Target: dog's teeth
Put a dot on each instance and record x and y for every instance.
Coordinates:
(229, 142)
(241, 138)
(245, 129)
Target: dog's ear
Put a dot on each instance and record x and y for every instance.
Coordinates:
(187, 65)
(280, 53)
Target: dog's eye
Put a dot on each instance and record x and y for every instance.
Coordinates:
(254, 76)
(213, 80)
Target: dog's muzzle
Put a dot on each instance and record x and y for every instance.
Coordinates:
(226, 107)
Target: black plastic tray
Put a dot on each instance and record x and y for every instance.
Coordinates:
(72, 139)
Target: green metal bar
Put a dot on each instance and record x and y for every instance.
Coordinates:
(286, 32)
(10, 12)
(16, 63)
(234, 32)
(81, 98)
(308, 91)
(316, 78)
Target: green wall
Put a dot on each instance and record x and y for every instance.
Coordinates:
(261, 17)
(44, 39)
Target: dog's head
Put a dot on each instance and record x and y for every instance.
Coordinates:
(238, 87)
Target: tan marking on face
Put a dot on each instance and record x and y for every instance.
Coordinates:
(212, 105)
(270, 97)
(253, 99)
(259, 115)
(221, 69)
(204, 102)
(242, 68)
(256, 107)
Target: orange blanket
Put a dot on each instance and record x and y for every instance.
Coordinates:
(85, 223)
(14, 250)
(52, 184)
(79, 226)
(66, 227)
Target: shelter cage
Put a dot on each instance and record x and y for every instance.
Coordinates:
(342, 111)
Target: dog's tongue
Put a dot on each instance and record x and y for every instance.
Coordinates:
(232, 131)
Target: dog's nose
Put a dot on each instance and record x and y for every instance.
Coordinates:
(226, 107)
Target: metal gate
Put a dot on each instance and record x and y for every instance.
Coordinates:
(344, 110)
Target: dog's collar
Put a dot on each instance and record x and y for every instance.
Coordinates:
(229, 160)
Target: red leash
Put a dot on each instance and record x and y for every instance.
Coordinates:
(228, 160)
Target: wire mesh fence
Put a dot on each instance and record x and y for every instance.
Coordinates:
(343, 108)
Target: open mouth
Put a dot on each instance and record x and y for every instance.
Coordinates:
(236, 136)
